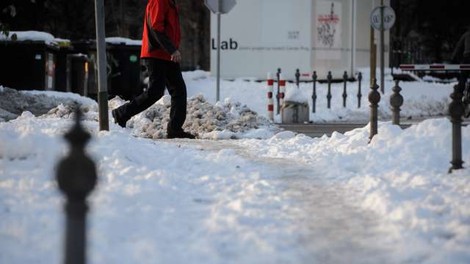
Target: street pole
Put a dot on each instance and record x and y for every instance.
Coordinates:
(218, 56)
(373, 57)
(382, 47)
(353, 37)
(102, 75)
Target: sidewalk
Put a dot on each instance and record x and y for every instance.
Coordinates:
(323, 217)
(320, 129)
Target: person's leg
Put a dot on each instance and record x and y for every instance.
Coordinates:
(155, 90)
(177, 90)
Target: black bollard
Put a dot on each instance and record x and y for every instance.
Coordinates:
(297, 77)
(359, 94)
(76, 177)
(278, 98)
(345, 94)
(396, 101)
(328, 95)
(456, 111)
(374, 99)
(314, 94)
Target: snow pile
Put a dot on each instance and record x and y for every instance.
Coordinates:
(286, 198)
(295, 94)
(400, 176)
(220, 121)
(13, 102)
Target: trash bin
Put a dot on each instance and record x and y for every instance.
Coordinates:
(77, 74)
(87, 48)
(125, 76)
(64, 50)
(27, 65)
(124, 71)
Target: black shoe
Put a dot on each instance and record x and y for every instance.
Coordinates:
(118, 120)
(180, 134)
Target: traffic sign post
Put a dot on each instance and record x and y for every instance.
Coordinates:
(389, 18)
(382, 18)
(219, 7)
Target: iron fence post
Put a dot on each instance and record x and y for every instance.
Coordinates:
(314, 94)
(345, 94)
(456, 111)
(328, 95)
(297, 77)
(374, 99)
(359, 94)
(396, 101)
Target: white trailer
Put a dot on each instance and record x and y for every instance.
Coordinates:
(259, 36)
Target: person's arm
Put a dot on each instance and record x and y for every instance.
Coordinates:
(156, 26)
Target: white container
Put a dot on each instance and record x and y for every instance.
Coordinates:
(294, 112)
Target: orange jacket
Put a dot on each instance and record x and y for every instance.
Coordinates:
(162, 34)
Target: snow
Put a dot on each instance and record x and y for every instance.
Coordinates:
(51, 40)
(31, 36)
(126, 41)
(246, 191)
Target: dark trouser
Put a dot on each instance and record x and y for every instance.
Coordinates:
(162, 74)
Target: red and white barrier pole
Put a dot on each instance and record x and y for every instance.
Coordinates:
(282, 89)
(435, 67)
(270, 97)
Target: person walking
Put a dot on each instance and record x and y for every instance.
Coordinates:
(159, 53)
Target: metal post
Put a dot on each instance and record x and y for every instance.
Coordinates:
(373, 57)
(314, 94)
(270, 83)
(102, 75)
(396, 101)
(382, 49)
(374, 99)
(353, 34)
(456, 111)
(297, 77)
(278, 76)
(282, 90)
(359, 94)
(345, 94)
(217, 97)
(76, 177)
(328, 95)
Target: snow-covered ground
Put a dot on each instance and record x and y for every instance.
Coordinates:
(269, 196)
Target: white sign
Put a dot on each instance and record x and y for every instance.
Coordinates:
(220, 6)
(388, 19)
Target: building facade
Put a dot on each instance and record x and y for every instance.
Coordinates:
(260, 36)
